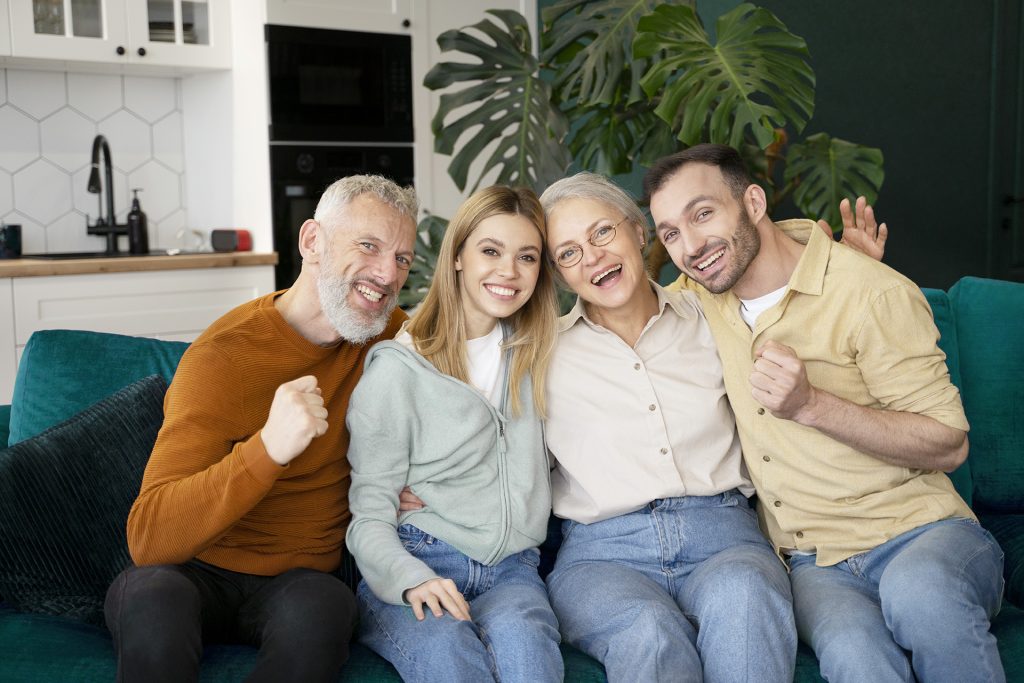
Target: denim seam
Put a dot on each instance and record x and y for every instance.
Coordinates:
(387, 634)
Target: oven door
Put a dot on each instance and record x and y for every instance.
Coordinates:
(328, 85)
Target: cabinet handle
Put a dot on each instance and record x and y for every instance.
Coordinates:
(142, 52)
(406, 23)
(120, 49)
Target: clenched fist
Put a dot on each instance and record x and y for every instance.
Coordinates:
(779, 381)
(297, 416)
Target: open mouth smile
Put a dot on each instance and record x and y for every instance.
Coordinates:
(369, 294)
(711, 260)
(605, 275)
(504, 292)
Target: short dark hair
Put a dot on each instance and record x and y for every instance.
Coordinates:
(726, 158)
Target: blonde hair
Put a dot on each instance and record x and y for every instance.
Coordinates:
(438, 327)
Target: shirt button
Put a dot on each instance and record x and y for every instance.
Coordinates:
(664, 451)
(766, 458)
(636, 366)
(760, 411)
(777, 503)
(799, 534)
(652, 407)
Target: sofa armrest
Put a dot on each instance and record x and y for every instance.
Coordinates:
(5, 425)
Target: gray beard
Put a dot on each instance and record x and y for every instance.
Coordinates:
(354, 325)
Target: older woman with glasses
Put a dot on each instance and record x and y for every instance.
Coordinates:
(663, 573)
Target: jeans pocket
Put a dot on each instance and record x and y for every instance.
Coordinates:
(412, 538)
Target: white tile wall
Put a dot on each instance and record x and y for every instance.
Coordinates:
(47, 124)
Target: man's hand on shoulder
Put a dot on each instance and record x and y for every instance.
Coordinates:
(297, 416)
(860, 229)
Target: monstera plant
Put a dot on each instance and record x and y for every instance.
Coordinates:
(620, 83)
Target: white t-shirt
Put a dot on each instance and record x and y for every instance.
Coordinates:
(485, 360)
(751, 308)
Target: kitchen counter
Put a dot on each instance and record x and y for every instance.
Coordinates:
(29, 267)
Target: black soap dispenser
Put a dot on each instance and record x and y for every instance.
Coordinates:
(138, 233)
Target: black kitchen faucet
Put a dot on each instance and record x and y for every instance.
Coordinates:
(104, 225)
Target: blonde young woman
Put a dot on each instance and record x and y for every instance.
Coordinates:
(452, 408)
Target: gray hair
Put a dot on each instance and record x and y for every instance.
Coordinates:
(586, 185)
(344, 190)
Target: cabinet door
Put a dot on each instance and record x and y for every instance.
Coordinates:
(5, 32)
(8, 354)
(193, 34)
(86, 30)
(378, 16)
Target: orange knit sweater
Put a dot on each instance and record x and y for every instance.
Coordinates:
(210, 491)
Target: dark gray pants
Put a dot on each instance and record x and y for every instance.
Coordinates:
(161, 616)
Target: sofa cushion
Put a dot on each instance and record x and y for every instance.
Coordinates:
(1008, 529)
(5, 425)
(63, 371)
(945, 321)
(64, 501)
(990, 330)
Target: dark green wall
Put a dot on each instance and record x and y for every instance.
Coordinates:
(936, 84)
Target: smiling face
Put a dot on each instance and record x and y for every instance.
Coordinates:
(705, 228)
(498, 267)
(606, 277)
(365, 254)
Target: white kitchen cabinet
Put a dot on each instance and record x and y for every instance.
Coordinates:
(5, 30)
(8, 354)
(166, 304)
(378, 16)
(180, 34)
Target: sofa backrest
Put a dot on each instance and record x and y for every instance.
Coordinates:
(990, 331)
(62, 372)
(945, 320)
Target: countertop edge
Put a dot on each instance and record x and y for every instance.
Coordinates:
(27, 267)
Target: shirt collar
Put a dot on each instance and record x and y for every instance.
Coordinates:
(673, 300)
(809, 275)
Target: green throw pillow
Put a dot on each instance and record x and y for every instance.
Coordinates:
(64, 501)
(62, 372)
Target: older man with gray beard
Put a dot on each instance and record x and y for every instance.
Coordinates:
(243, 507)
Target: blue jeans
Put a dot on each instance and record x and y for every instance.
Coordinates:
(513, 635)
(684, 589)
(914, 608)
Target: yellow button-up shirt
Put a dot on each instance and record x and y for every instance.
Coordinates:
(865, 333)
(628, 425)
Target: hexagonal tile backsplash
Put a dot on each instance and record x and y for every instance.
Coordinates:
(47, 123)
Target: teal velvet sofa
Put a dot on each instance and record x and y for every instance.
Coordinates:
(62, 373)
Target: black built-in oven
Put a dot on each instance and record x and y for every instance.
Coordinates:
(300, 173)
(340, 104)
(343, 86)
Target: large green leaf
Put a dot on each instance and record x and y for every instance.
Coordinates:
(756, 77)
(611, 139)
(506, 103)
(589, 43)
(429, 234)
(827, 170)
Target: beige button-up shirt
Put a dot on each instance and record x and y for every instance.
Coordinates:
(629, 425)
(865, 333)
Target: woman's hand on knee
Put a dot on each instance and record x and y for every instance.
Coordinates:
(440, 595)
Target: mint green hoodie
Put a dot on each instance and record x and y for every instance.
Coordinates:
(482, 475)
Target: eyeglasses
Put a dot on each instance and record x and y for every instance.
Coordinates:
(568, 255)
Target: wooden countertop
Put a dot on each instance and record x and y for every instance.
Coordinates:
(29, 267)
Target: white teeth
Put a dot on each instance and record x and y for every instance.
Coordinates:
(596, 278)
(708, 261)
(501, 291)
(369, 293)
